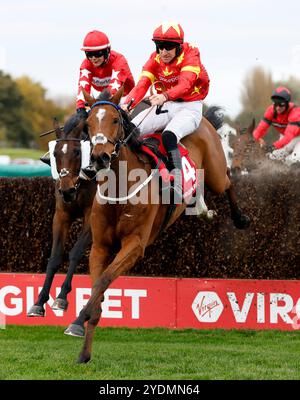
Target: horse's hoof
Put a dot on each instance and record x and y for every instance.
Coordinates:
(211, 214)
(235, 171)
(60, 304)
(36, 311)
(243, 222)
(83, 359)
(75, 330)
(207, 215)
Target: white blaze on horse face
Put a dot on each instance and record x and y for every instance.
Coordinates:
(99, 138)
(100, 114)
(64, 148)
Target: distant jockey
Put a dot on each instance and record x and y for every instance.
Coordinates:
(176, 64)
(285, 117)
(102, 69)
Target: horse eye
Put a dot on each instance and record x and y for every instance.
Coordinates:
(116, 120)
(55, 153)
(77, 152)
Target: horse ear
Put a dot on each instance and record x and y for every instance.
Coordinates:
(117, 96)
(56, 127)
(88, 98)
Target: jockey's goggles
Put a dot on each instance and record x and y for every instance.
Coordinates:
(166, 45)
(279, 103)
(97, 54)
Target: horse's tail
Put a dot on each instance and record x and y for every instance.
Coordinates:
(215, 116)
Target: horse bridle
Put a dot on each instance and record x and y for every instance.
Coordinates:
(100, 138)
(64, 171)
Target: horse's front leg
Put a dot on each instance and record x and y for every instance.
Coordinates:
(240, 220)
(60, 229)
(98, 261)
(132, 249)
(83, 242)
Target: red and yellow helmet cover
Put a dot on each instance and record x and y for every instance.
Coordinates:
(169, 31)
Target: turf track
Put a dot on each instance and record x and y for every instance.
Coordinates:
(36, 352)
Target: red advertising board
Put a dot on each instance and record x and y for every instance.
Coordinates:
(248, 304)
(161, 302)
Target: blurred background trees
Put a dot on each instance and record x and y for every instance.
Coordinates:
(26, 112)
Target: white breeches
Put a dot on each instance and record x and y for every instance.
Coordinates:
(289, 153)
(182, 118)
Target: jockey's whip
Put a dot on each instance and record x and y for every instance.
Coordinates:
(48, 132)
(133, 130)
(152, 91)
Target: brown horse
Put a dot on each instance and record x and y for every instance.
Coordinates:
(74, 197)
(121, 232)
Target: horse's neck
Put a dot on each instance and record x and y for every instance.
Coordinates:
(128, 156)
(129, 163)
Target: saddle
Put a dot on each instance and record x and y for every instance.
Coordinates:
(151, 144)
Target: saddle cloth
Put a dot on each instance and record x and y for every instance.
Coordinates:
(152, 145)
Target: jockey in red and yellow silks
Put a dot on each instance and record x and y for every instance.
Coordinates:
(185, 78)
(102, 69)
(284, 116)
(177, 65)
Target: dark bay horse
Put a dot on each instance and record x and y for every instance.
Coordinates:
(74, 197)
(122, 231)
(248, 154)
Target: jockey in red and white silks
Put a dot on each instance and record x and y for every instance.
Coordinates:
(284, 116)
(102, 69)
(178, 67)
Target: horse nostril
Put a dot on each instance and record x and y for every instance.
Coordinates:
(100, 161)
(105, 157)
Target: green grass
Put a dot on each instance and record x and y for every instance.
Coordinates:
(22, 153)
(35, 352)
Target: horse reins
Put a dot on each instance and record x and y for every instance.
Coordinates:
(118, 143)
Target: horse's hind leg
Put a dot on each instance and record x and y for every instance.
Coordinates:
(84, 240)
(240, 220)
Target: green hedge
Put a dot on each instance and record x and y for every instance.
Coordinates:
(269, 249)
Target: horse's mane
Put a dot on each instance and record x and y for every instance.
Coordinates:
(104, 96)
(71, 124)
(134, 141)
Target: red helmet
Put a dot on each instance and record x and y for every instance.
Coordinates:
(281, 93)
(95, 40)
(169, 32)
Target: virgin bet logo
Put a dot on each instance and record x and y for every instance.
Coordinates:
(207, 306)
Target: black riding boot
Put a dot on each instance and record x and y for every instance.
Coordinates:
(169, 140)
